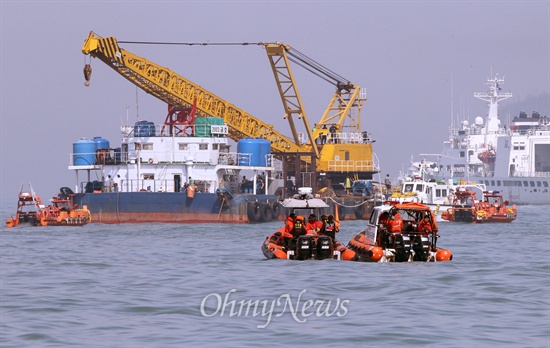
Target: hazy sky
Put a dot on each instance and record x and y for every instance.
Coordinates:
(419, 61)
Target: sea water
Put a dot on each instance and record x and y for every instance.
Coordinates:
(168, 285)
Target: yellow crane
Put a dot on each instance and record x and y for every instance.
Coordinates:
(337, 143)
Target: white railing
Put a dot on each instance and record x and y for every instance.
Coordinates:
(351, 166)
(162, 130)
(348, 138)
(530, 174)
(113, 157)
(338, 138)
(141, 185)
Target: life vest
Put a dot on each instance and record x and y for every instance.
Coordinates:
(395, 224)
(299, 228)
(289, 225)
(314, 225)
(190, 191)
(330, 226)
(329, 229)
(424, 226)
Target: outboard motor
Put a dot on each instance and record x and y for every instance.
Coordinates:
(402, 246)
(304, 248)
(421, 247)
(324, 247)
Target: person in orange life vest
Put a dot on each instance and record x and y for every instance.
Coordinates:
(384, 219)
(496, 205)
(299, 227)
(191, 191)
(425, 225)
(323, 221)
(395, 223)
(289, 223)
(330, 228)
(313, 225)
(287, 230)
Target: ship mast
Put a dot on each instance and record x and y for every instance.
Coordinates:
(492, 97)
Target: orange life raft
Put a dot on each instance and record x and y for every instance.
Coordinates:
(283, 245)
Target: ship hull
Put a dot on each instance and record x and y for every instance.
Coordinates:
(521, 190)
(173, 207)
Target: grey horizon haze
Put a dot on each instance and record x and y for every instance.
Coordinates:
(420, 63)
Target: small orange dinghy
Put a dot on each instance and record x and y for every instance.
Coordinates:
(306, 240)
(400, 232)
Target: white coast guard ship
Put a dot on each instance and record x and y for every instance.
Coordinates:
(512, 159)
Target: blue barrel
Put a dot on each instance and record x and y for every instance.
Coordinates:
(265, 149)
(101, 144)
(151, 128)
(84, 152)
(144, 129)
(250, 146)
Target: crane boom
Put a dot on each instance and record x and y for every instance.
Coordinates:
(288, 90)
(177, 91)
(343, 155)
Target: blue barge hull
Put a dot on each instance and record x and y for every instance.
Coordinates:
(175, 207)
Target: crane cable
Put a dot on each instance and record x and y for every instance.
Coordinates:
(295, 56)
(300, 57)
(194, 43)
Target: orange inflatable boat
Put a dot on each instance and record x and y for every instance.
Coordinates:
(311, 240)
(400, 232)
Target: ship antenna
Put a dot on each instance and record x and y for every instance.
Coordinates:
(452, 104)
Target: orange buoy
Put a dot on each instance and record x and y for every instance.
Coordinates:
(443, 255)
(279, 253)
(377, 253)
(347, 255)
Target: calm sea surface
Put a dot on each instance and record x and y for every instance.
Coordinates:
(162, 285)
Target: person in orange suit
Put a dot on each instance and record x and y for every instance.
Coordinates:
(299, 227)
(384, 219)
(330, 228)
(313, 225)
(425, 225)
(289, 223)
(395, 223)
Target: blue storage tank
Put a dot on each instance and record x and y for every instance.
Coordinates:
(101, 144)
(265, 149)
(144, 129)
(251, 146)
(84, 152)
(151, 128)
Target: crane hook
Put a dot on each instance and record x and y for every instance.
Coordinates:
(87, 74)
